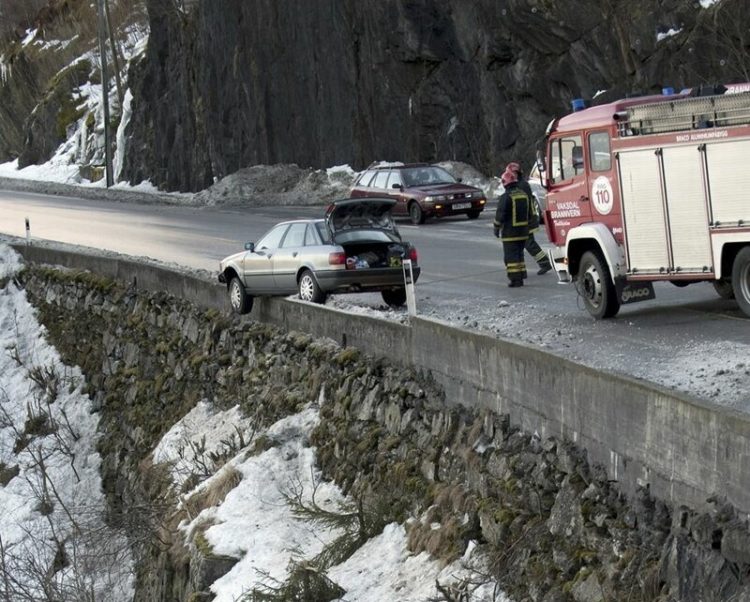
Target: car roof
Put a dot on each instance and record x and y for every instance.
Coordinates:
(310, 220)
(402, 165)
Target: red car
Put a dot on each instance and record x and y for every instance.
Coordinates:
(420, 191)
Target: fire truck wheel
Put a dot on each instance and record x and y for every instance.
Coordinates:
(596, 287)
(724, 288)
(741, 279)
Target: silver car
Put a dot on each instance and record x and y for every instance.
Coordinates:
(354, 248)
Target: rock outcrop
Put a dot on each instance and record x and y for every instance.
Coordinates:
(237, 83)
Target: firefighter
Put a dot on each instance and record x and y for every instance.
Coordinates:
(532, 246)
(512, 227)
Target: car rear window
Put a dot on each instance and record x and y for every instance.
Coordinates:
(323, 232)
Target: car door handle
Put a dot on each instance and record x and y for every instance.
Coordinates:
(295, 254)
(584, 199)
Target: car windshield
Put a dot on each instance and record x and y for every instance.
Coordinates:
(349, 236)
(426, 176)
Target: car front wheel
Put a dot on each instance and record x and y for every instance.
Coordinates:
(473, 214)
(308, 288)
(395, 298)
(416, 214)
(240, 301)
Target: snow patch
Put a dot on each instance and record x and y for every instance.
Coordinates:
(127, 112)
(667, 34)
(199, 434)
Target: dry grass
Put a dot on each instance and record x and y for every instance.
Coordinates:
(215, 491)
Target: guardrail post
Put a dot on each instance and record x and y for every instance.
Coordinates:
(411, 300)
(28, 232)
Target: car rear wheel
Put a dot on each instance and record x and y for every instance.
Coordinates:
(596, 287)
(741, 280)
(395, 298)
(240, 301)
(308, 288)
(415, 213)
(473, 214)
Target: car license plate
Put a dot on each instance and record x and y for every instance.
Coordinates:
(461, 205)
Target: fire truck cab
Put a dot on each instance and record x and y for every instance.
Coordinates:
(651, 188)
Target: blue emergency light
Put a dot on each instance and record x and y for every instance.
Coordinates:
(667, 91)
(578, 104)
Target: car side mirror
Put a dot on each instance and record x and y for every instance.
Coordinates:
(250, 246)
(398, 186)
(459, 179)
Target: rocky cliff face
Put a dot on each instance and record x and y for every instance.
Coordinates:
(236, 83)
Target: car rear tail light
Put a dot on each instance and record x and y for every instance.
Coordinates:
(337, 258)
(413, 254)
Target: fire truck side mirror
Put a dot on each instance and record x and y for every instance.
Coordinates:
(541, 169)
(540, 161)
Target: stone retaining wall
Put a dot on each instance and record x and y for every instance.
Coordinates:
(554, 526)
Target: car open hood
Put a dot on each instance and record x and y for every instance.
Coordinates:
(360, 214)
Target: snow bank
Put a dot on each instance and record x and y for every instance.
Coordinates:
(49, 436)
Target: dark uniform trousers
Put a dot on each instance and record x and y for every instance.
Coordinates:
(515, 265)
(532, 246)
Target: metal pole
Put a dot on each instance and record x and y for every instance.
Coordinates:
(113, 46)
(105, 91)
(28, 232)
(411, 300)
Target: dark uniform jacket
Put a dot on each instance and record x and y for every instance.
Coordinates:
(513, 214)
(533, 209)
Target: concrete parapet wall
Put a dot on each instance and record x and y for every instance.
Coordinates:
(684, 449)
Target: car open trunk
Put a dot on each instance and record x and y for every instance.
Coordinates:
(361, 255)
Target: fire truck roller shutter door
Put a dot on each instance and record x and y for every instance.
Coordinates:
(686, 204)
(729, 179)
(643, 211)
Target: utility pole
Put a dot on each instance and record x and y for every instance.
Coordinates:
(102, 30)
(115, 53)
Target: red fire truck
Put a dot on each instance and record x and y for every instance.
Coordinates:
(651, 188)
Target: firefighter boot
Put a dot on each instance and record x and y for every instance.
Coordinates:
(544, 267)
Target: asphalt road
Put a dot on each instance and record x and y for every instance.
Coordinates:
(687, 338)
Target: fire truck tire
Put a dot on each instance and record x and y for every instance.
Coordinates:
(724, 288)
(741, 279)
(596, 287)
